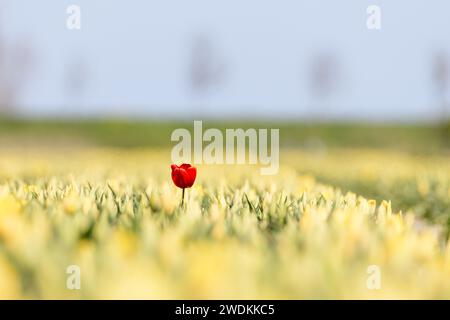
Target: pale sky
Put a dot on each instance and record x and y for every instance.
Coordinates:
(136, 56)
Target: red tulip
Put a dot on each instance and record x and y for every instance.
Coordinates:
(183, 176)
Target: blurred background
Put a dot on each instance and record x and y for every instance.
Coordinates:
(86, 117)
(313, 68)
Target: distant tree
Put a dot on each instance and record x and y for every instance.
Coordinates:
(324, 75)
(76, 76)
(323, 78)
(441, 78)
(206, 69)
(15, 62)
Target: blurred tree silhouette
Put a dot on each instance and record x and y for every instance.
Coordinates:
(76, 76)
(76, 79)
(206, 68)
(15, 63)
(323, 77)
(441, 77)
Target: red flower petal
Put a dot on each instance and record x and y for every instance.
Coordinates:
(183, 176)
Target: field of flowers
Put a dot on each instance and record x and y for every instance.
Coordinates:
(419, 183)
(304, 233)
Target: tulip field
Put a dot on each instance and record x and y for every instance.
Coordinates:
(319, 229)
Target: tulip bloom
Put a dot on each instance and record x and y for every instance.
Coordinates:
(183, 177)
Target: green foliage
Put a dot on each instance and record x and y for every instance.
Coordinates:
(304, 135)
